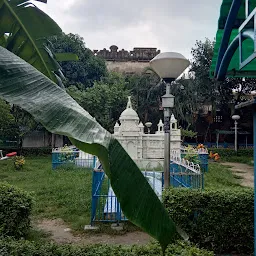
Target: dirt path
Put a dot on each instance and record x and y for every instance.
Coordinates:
(245, 171)
(62, 234)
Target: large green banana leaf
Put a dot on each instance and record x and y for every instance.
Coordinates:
(24, 30)
(23, 85)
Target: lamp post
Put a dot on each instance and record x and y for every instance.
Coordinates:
(169, 66)
(148, 125)
(236, 118)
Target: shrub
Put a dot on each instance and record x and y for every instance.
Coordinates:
(231, 152)
(221, 221)
(18, 161)
(27, 248)
(15, 209)
(36, 151)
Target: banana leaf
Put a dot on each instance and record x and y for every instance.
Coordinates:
(24, 30)
(23, 85)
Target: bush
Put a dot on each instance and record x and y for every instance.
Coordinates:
(36, 151)
(15, 209)
(221, 221)
(28, 151)
(27, 248)
(231, 152)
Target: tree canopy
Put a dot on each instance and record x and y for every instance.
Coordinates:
(87, 69)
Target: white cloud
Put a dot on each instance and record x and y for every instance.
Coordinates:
(170, 25)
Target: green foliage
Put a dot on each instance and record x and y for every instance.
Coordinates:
(18, 162)
(60, 114)
(36, 151)
(231, 152)
(218, 220)
(26, 29)
(80, 73)
(220, 177)
(27, 248)
(106, 100)
(146, 91)
(7, 128)
(191, 154)
(63, 193)
(188, 133)
(15, 209)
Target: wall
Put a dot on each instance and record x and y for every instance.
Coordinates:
(129, 67)
(38, 139)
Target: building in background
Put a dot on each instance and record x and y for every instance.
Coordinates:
(127, 62)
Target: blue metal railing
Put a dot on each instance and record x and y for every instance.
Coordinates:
(71, 157)
(105, 206)
(183, 176)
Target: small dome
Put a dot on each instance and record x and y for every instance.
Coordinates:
(173, 119)
(130, 114)
(160, 123)
(141, 125)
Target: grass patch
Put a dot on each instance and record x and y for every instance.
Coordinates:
(239, 159)
(64, 193)
(220, 177)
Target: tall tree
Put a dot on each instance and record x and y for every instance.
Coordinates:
(106, 99)
(147, 90)
(209, 92)
(80, 73)
(7, 128)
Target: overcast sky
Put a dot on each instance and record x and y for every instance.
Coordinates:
(169, 25)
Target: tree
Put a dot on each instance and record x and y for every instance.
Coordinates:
(80, 73)
(18, 34)
(147, 90)
(24, 30)
(105, 100)
(7, 128)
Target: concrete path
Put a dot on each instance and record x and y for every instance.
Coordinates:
(245, 171)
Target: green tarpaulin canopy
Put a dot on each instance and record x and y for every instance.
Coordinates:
(248, 45)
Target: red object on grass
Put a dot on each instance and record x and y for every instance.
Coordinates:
(11, 154)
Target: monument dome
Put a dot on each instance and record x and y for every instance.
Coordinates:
(129, 113)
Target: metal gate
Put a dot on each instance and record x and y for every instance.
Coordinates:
(105, 206)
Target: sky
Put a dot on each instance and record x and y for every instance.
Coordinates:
(169, 25)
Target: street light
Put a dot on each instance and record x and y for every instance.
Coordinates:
(169, 66)
(236, 118)
(148, 125)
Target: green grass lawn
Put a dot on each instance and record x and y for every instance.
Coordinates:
(220, 177)
(64, 193)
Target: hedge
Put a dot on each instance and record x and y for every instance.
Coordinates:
(231, 152)
(15, 209)
(221, 221)
(36, 151)
(20, 248)
(28, 151)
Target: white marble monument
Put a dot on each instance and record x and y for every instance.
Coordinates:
(147, 150)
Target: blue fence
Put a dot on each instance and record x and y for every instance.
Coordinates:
(72, 157)
(105, 206)
(185, 176)
(204, 161)
(63, 157)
